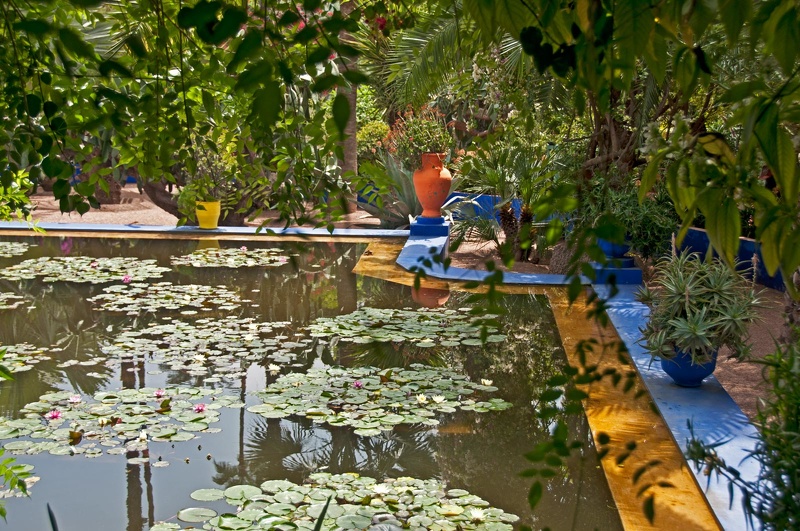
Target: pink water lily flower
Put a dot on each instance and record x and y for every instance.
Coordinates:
(94, 265)
(159, 393)
(126, 279)
(53, 415)
(199, 408)
(75, 399)
(243, 248)
(358, 385)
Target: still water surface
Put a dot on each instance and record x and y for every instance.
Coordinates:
(482, 453)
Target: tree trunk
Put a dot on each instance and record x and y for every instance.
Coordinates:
(161, 197)
(349, 162)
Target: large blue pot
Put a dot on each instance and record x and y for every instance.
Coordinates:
(685, 373)
(611, 249)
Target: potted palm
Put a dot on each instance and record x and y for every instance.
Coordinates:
(696, 307)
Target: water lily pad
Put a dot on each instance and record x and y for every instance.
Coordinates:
(426, 504)
(9, 249)
(426, 327)
(233, 258)
(370, 399)
(196, 514)
(67, 424)
(241, 492)
(208, 494)
(10, 301)
(84, 269)
(163, 296)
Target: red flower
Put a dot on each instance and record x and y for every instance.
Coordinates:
(381, 23)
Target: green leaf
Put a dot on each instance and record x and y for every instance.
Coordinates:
(203, 14)
(741, 91)
(50, 108)
(59, 126)
(136, 46)
(311, 5)
(34, 104)
(355, 77)
(341, 113)
(535, 494)
(250, 44)
(73, 42)
(319, 55)
(655, 56)
(786, 176)
(232, 20)
(288, 18)
(306, 35)
(786, 40)
(53, 167)
(61, 188)
(325, 82)
(733, 14)
(86, 3)
(33, 26)
(267, 103)
(109, 65)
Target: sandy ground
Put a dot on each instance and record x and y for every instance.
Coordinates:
(742, 379)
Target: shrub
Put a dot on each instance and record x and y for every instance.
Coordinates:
(416, 133)
(371, 138)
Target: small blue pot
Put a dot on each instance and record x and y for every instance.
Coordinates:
(685, 373)
(611, 249)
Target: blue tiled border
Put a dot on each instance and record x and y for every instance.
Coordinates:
(713, 413)
(188, 229)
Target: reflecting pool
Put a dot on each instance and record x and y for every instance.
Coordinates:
(145, 370)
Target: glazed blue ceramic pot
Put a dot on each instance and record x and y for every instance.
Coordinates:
(685, 373)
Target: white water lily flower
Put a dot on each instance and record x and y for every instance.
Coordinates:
(422, 399)
(274, 369)
(381, 488)
(486, 382)
(477, 515)
(438, 398)
(143, 435)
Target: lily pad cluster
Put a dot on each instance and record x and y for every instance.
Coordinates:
(9, 249)
(84, 269)
(427, 327)
(10, 301)
(356, 503)
(190, 299)
(23, 356)
(233, 258)
(62, 423)
(371, 399)
(206, 346)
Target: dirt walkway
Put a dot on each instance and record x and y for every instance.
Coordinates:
(742, 379)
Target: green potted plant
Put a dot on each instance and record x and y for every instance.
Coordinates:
(696, 307)
(648, 225)
(209, 181)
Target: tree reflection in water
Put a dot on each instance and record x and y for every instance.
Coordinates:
(294, 449)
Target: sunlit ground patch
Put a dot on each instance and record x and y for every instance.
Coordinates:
(356, 503)
(84, 269)
(371, 399)
(233, 257)
(190, 299)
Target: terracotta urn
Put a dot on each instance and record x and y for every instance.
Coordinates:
(430, 297)
(432, 184)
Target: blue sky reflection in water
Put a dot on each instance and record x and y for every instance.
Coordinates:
(479, 452)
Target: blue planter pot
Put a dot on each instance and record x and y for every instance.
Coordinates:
(685, 373)
(611, 249)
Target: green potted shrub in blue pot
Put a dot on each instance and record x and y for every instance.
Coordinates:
(696, 307)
